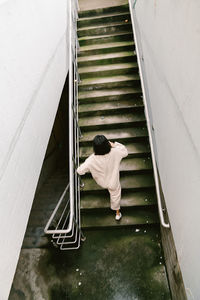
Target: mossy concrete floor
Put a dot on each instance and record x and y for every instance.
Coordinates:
(117, 264)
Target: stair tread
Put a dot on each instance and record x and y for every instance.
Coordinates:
(133, 164)
(105, 56)
(112, 105)
(109, 79)
(111, 119)
(138, 217)
(99, 68)
(106, 15)
(91, 37)
(128, 181)
(106, 45)
(128, 199)
(115, 134)
(104, 11)
(108, 92)
(123, 18)
(108, 25)
(133, 148)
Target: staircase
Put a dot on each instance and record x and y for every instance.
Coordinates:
(126, 261)
(110, 103)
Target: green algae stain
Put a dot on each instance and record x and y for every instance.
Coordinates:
(58, 292)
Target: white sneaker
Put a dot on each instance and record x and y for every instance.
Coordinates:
(118, 217)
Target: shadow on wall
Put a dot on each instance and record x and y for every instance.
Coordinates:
(57, 150)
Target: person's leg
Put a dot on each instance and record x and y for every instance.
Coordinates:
(115, 198)
(117, 211)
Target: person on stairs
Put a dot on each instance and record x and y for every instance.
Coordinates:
(104, 164)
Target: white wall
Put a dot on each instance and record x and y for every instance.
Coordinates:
(170, 36)
(33, 67)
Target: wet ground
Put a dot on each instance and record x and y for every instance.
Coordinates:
(117, 264)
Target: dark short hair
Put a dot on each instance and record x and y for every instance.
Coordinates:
(101, 145)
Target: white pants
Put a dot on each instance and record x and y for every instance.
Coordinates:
(115, 197)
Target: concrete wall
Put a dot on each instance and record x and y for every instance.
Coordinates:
(57, 152)
(33, 68)
(170, 36)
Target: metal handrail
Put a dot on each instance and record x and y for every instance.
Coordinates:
(49, 231)
(156, 177)
(71, 187)
(72, 234)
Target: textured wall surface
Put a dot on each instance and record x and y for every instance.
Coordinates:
(170, 36)
(33, 68)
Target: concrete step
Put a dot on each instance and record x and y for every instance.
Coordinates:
(116, 94)
(120, 135)
(112, 121)
(134, 217)
(104, 20)
(106, 59)
(104, 11)
(106, 48)
(108, 70)
(108, 29)
(121, 106)
(110, 82)
(129, 199)
(133, 165)
(110, 38)
(128, 181)
(134, 150)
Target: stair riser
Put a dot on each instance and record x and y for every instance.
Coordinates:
(111, 111)
(120, 140)
(107, 73)
(124, 28)
(128, 200)
(85, 210)
(102, 11)
(110, 98)
(147, 226)
(105, 194)
(107, 61)
(125, 173)
(142, 227)
(109, 85)
(108, 39)
(106, 50)
(82, 158)
(104, 210)
(112, 126)
(103, 20)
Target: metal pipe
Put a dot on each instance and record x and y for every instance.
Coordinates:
(158, 193)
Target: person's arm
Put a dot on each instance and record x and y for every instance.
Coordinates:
(120, 148)
(83, 168)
